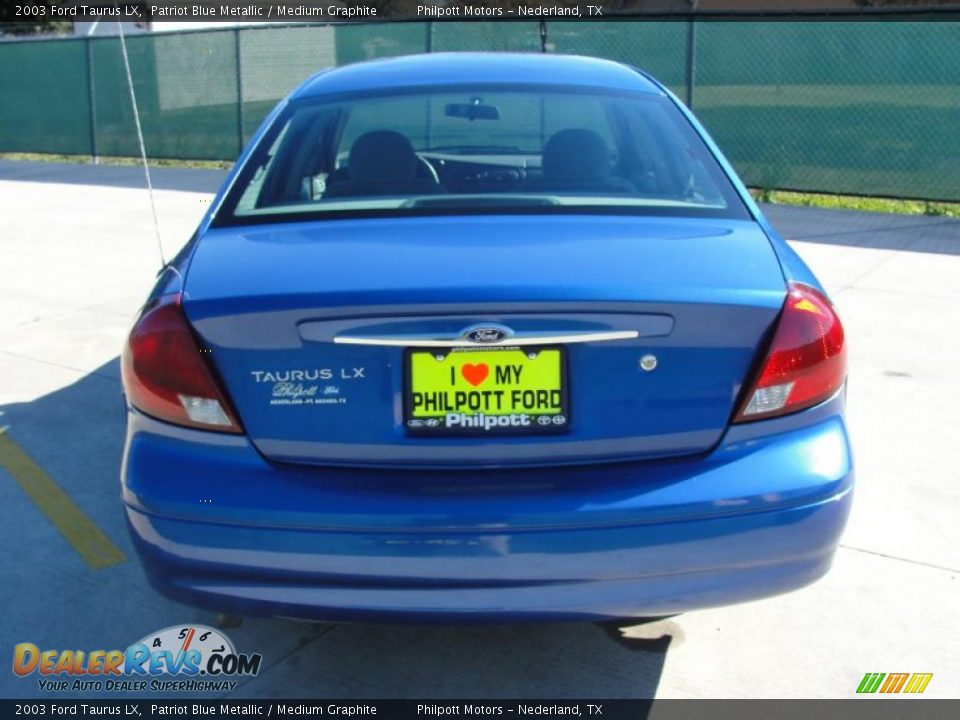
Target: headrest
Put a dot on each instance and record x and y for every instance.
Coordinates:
(576, 154)
(382, 155)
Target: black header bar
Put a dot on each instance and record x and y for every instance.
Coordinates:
(327, 11)
(893, 708)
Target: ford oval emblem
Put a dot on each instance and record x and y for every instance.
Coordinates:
(485, 334)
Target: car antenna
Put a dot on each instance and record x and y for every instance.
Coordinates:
(143, 148)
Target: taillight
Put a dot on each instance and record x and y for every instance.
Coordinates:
(807, 360)
(165, 375)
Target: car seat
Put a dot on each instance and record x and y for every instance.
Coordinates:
(382, 162)
(577, 160)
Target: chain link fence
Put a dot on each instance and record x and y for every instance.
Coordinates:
(856, 107)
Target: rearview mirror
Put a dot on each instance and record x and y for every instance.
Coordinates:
(472, 111)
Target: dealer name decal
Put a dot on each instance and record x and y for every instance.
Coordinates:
(303, 387)
(487, 389)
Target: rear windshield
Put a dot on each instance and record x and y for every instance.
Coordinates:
(476, 149)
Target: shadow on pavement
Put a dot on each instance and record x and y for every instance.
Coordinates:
(125, 176)
(881, 231)
(561, 661)
(76, 435)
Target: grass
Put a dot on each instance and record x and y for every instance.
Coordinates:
(112, 160)
(783, 197)
(852, 202)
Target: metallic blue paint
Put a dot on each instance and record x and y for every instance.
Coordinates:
(759, 515)
(447, 260)
(709, 514)
(248, 290)
(412, 71)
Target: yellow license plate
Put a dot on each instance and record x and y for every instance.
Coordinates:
(490, 391)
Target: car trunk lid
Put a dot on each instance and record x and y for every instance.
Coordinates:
(278, 305)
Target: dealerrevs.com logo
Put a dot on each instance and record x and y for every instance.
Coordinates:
(178, 658)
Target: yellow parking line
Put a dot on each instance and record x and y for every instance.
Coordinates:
(79, 530)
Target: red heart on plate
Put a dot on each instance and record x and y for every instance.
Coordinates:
(475, 374)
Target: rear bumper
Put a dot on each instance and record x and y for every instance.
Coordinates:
(219, 527)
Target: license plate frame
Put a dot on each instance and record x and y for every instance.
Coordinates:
(537, 424)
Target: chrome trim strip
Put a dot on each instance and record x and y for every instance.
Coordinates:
(513, 341)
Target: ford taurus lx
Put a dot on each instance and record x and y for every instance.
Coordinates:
(484, 337)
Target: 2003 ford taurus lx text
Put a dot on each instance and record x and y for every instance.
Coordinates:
(475, 337)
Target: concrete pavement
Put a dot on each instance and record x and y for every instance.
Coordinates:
(78, 256)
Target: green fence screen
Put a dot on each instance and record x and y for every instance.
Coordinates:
(858, 107)
(45, 97)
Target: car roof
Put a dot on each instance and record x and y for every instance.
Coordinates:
(464, 68)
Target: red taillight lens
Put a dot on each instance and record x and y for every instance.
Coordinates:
(164, 374)
(807, 360)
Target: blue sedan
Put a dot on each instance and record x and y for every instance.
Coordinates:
(484, 337)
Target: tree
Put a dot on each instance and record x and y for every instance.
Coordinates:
(13, 24)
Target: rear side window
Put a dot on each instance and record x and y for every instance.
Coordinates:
(481, 149)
